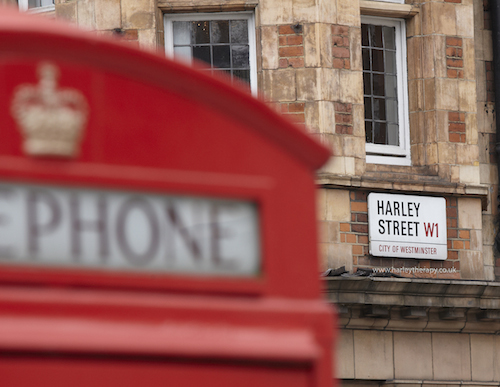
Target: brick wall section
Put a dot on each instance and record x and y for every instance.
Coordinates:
(454, 57)
(486, 15)
(340, 47)
(456, 126)
(343, 118)
(490, 79)
(355, 233)
(291, 46)
(294, 111)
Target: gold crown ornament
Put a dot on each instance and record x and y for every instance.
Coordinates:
(51, 119)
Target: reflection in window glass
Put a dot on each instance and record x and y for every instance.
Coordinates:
(221, 44)
(380, 84)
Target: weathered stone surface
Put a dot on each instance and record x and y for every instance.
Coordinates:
(107, 14)
(279, 85)
(138, 14)
(67, 11)
(412, 355)
(269, 45)
(373, 355)
(344, 355)
(471, 265)
(451, 356)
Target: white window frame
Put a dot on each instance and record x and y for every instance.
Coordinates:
(389, 154)
(168, 20)
(23, 6)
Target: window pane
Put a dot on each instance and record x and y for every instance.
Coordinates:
(378, 60)
(390, 62)
(239, 31)
(201, 32)
(364, 35)
(366, 59)
(368, 107)
(392, 134)
(242, 74)
(390, 86)
(182, 33)
(376, 36)
(369, 132)
(220, 31)
(392, 110)
(202, 53)
(183, 53)
(380, 133)
(378, 84)
(222, 57)
(379, 109)
(240, 57)
(389, 38)
(367, 83)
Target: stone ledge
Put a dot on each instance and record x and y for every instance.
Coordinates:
(423, 186)
(181, 6)
(411, 304)
(378, 8)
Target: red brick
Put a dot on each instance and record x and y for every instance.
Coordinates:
(452, 41)
(296, 62)
(339, 30)
(347, 64)
(362, 228)
(342, 238)
(338, 63)
(454, 116)
(343, 118)
(458, 245)
(343, 129)
(345, 227)
(340, 52)
(283, 63)
(359, 207)
(452, 233)
(451, 212)
(296, 107)
(338, 41)
(467, 245)
(451, 73)
(297, 117)
(456, 137)
(456, 127)
(451, 51)
(286, 30)
(343, 107)
(357, 250)
(453, 1)
(488, 65)
(459, 53)
(453, 255)
(464, 234)
(294, 40)
(291, 51)
(363, 239)
(451, 201)
(454, 62)
(282, 40)
(350, 238)
(284, 108)
(362, 218)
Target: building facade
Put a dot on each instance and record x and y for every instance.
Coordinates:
(402, 93)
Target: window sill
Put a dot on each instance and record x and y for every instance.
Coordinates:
(48, 8)
(378, 8)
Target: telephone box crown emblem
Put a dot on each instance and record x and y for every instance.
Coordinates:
(51, 119)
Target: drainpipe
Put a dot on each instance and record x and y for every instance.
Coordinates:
(494, 8)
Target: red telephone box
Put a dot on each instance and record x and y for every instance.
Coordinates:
(157, 226)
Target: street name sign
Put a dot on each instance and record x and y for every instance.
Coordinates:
(407, 226)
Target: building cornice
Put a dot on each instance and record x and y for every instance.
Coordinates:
(415, 304)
